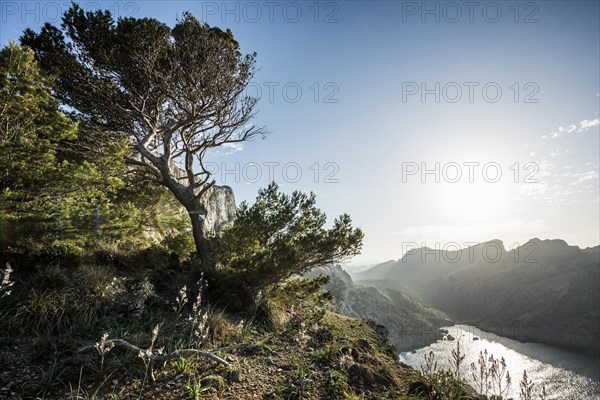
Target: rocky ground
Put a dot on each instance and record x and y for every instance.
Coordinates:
(338, 357)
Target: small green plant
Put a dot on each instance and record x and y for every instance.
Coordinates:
(218, 326)
(196, 389)
(329, 356)
(50, 376)
(302, 371)
(337, 384)
(260, 348)
(258, 314)
(183, 365)
(245, 327)
(300, 388)
(279, 391)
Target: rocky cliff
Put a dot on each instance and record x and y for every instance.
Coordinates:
(411, 325)
(219, 202)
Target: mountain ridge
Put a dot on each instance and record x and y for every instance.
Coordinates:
(548, 285)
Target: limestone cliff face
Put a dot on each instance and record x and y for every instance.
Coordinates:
(219, 202)
(410, 324)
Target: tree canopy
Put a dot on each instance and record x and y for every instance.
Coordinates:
(61, 182)
(169, 95)
(32, 126)
(174, 93)
(31, 121)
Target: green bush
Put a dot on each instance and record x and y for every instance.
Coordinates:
(278, 236)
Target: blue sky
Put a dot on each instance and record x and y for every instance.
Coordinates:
(509, 86)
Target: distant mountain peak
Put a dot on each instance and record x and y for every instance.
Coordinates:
(451, 248)
(557, 242)
(494, 242)
(550, 245)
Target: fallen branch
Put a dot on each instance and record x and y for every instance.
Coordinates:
(154, 358)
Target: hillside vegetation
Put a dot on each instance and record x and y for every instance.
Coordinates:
(104, 296)
(121, 276)
(284, 346)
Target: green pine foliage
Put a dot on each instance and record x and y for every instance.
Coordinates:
(63, 185)
(279, 236)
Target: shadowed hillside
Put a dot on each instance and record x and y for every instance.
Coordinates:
(410, 324)
(544, 291)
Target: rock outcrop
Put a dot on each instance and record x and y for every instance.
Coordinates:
(410, 324)
(219, 202)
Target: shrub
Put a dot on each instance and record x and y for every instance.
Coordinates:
(279, 236)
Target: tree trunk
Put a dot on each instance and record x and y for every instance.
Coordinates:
(203, 246)
(197, 213)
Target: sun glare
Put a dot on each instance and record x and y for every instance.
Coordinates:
(473, 202)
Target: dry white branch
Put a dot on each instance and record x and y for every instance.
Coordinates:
(155, 358)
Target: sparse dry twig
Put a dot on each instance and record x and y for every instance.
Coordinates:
(6, 283)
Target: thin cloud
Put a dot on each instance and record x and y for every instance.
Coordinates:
(582, 126)
(584, 176)
(228, 149)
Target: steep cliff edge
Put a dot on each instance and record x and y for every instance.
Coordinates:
(410, 324)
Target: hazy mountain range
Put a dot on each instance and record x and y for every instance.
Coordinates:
(543, 291)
